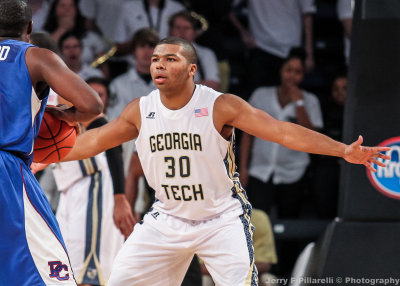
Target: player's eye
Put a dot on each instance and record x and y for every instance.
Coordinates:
(154, 60)
(171, 59)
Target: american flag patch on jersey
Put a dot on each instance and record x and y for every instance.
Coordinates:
(201, 112)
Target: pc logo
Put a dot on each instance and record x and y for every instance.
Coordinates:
(387, 179)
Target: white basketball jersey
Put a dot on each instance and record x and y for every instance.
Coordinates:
(186, 160)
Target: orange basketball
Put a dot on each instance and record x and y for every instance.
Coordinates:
(55, 140)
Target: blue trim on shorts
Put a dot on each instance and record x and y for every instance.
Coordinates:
(91, 275)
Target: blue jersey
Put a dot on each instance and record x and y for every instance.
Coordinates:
(32, 251)
(21, 110)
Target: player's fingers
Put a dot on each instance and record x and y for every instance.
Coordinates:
(377, 162)
(380, 149)
(369, 167)
(359, 140)
(126, 231)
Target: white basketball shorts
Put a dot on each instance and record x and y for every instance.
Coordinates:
(160, 249)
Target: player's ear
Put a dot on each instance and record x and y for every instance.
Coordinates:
(192, 69)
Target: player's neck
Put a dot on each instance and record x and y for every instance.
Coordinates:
(177, 98)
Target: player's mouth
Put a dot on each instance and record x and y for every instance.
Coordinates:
(160, 79)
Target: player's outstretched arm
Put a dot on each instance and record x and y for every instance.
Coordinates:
(123, 128)
(46, 67)
(234, 111)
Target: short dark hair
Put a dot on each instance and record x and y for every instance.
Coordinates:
(145, 36)
(15, 16)
(189, 51)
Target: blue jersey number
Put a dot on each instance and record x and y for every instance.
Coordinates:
(4, 50)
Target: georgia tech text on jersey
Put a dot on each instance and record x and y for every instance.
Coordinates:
(175, 141)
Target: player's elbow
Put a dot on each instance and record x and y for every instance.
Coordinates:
(97, 107)
(93, 108)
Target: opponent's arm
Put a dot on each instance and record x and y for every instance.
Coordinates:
(233, 111)
(123, 128)
(45, 66)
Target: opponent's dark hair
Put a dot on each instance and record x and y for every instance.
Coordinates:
(15, 15)
(189, 51)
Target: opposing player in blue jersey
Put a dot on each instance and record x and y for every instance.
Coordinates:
(32, 251)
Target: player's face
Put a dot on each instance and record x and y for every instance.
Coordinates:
(292, 72)
(339, 90)
(183, 29)
(169, 67)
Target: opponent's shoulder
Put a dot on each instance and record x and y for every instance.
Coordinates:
(40, 57)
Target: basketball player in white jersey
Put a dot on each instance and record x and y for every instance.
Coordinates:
(185, 144)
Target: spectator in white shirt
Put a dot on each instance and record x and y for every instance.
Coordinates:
(138, 14)
(275, 174)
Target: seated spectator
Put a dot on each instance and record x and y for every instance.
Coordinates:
(71, 51)
(183, 25)
(275, 174)
(63, 17)
(264, 250)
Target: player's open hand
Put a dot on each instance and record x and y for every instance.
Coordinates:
(123, 217)
(357, 154)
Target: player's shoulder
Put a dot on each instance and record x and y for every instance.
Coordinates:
(41, 55)
(204, 90)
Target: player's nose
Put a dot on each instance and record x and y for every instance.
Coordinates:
(160, 65)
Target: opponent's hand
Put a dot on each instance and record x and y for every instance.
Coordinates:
(357, 154)
(123, 217)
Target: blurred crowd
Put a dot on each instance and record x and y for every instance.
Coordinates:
(287, 57)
